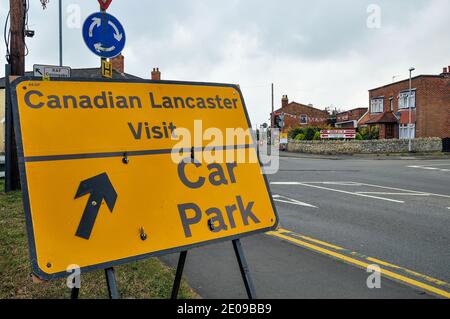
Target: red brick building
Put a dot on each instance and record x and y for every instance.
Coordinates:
(300, 115)
(430, 104)
(350, 118)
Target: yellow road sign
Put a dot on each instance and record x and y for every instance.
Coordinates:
(107, 69)
(118, 171)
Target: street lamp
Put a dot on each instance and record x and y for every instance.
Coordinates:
(60, 34)
(410, 111)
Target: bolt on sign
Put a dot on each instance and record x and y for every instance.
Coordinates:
(118, 171)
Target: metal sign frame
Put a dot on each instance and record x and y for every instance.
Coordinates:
(106, 265)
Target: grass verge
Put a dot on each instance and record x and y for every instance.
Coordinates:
(143, 279)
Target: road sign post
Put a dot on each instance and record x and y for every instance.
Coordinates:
(178, 274)
(113, 292)
(110, 174)
(74, 293)
(243, 267)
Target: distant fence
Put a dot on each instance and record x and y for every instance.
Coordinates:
(419, 145)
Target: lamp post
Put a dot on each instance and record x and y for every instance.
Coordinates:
(410, 112)
(60, 34)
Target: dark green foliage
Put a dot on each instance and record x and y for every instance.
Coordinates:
(309, 134)
(294, 132)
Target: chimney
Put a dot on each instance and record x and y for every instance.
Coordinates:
(284, 101)
(156, 74)
(444, 70)
(118, 63)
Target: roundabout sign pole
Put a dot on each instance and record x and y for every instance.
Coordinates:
(104, 35)
(103, 60)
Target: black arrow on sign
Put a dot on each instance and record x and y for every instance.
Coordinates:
(100, 188)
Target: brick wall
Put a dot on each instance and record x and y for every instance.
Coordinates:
(433, 112)
(432, 103)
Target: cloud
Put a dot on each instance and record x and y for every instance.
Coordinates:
(318, 52)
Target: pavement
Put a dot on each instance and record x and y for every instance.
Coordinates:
(338, 215)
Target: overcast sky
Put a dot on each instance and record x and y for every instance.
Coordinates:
(323, 52)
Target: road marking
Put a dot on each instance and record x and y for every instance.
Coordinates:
(431, 168)
(338, 190)
(285, 183)
(284, 199)
(383, 263)
(333, 183)
(446, 164)
(384, 193)
(338, 183)
(289, 236)
(414, 273)
(281, 230)
(372, 185)
(405, 190)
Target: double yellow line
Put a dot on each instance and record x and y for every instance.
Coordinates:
(339, 253)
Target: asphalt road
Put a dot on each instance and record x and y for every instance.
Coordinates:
(333, 211)
(414, 234)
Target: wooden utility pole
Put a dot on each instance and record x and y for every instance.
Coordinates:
(17, 46)
(17, 68)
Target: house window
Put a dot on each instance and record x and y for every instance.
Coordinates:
(403, 99)
(391, 104)
(303, 119)
(405, 133)
(377, 105)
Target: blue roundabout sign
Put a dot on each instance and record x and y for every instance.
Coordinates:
(104, 35)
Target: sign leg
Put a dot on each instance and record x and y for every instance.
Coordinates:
(178, 275)
(111, 282)
(12, 181)
(243, 267)
(74, 293)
